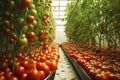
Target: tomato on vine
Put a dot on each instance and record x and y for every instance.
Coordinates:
(30, 36)
(30, 18)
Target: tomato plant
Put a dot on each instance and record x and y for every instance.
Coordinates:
(20, 25)
(93, 23)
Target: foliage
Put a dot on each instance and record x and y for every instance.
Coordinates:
(94, 22)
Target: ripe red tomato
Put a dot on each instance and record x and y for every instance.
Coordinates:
(42, 77)
(6, 31)
(19, 55)
(23, 76)
(11, 27)
(14, 36)
(3, 66)
(40, 33)
(25, 64)
(13, 78)
(33, 74)
(20, 6)
(52, 64)
(43, 59)
(92, 73)
(2, 73)
(6, 14)
(8, 73)
(11, 40)
(30, 18)
(30, 36)
(46, 47)
(26, 3)
(44, 67)
(2, 77)
(19, 70)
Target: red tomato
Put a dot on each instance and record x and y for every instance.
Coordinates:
(20, 6)
(6, 14)
(26, 3)
(30, 18)
(8, 73)
(30, 36)
(2, 78)
(44, 67)
(39, 66)
(46, 47)
(1, 73)
(52, 64)
(11, 27)
(25, 64)
(19, 70)
(14, 36)
(92, 73)
(19, 55)
(33, 64)
(48, 57)
(42, 77)
(3, 66)
(6, 31)
(43, 59)
(33, 74)
(23, 76)
(11, 40)
(13, 78)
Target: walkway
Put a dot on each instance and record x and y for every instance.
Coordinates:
(65, 70)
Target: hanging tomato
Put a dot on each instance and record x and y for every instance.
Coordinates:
(30, 36)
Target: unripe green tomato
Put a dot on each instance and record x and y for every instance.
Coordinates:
(12, 4)
(34, 12)
(20, 21)
(32, 6)
(22, 36)
(22, 40)
(34, 23)
(25, 28)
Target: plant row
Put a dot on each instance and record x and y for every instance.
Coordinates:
(95, 23)
(99, 66)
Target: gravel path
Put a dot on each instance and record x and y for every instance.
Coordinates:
(65, 70)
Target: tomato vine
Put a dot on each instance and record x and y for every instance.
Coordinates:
(94, 23)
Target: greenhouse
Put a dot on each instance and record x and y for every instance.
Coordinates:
(59, 39)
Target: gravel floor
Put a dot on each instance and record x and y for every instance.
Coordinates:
(65, 70)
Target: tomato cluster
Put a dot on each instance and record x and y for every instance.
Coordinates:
(99, 65)
(32, 65)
